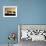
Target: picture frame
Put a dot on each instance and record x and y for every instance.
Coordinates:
(9, 11)
(36, 32)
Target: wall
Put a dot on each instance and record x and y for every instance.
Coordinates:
(29, 12)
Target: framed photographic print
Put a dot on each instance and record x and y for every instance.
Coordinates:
(9, 11)
(33, 32)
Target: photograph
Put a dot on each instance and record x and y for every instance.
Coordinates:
(31, 33)
(9, 11)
